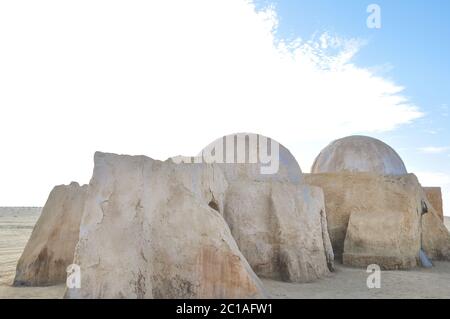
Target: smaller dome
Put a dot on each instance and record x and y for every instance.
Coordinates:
(359, 154)
(286, 167)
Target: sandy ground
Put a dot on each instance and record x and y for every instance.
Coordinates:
(350, 283)
(16, 226)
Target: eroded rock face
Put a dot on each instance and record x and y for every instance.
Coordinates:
(51, 246)
(281, 229)
(362, 154)
(148, 232)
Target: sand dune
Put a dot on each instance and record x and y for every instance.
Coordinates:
(16, 225)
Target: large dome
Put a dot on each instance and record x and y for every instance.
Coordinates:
(285, 166)
(359, 154)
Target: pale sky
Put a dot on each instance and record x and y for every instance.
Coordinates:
(163, 78)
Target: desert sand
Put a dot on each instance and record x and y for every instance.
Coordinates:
(16, 225)
(350, 283)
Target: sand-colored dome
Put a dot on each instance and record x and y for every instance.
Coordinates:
(359, 154)
(288, 167)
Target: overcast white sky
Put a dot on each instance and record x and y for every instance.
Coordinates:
(167, 78)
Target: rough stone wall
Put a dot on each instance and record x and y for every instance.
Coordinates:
(152, 229)
(281, 229)
(52, 243)
(146, 233)
(337, 205)
(372, 218)
(434, 195)
(380, 219)
(435, 235)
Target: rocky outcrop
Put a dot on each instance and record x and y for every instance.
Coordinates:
(52, 243)
(151, 229)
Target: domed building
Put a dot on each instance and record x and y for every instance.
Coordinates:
(377, 213)
(278, 221)
(253, 157)
(359, 154)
